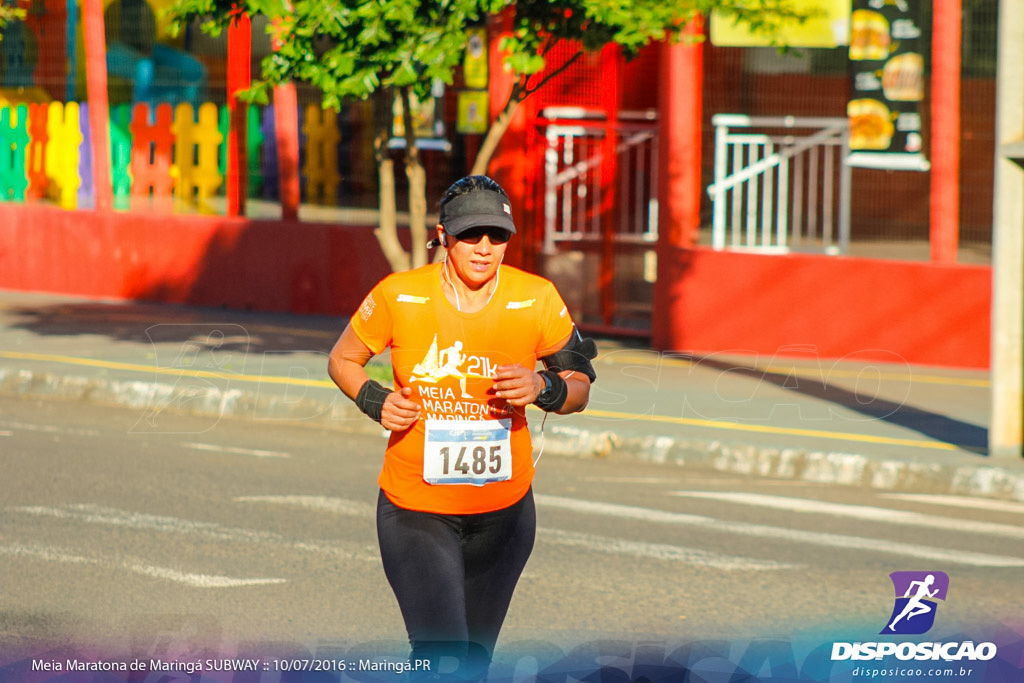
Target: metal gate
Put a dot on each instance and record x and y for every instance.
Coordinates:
(601, 221)
(781, 184)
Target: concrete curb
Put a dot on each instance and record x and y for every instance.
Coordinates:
(204, 398)
(196, 397)
(821, 467)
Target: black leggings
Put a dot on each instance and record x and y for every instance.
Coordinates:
(454, 576)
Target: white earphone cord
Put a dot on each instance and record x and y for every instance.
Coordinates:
(542, 423)
(448, 279)
(458, 306)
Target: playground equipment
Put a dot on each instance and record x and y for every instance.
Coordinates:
(145, 63)
(156, 71)
(162, 152)
(165, 142)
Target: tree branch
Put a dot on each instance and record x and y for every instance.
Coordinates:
(554, 72)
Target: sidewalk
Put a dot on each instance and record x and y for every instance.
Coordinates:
(884, 425)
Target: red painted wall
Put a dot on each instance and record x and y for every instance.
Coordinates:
(204, 261)
(719, 301)
(877, 309)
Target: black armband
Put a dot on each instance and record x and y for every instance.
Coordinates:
(555, 391)
(575, 355)
(370, 399)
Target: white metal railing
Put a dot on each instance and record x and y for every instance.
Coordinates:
(781, 184)
(573, 160)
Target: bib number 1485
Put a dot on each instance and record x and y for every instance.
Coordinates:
(478, 462)
(467, 452)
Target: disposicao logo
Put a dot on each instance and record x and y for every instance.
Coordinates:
(916, 596)
(913, 613)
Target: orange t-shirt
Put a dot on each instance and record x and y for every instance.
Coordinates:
(448, 358)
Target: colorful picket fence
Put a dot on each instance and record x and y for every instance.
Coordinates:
(162, 153)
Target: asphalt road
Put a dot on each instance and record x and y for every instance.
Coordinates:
(163, 535)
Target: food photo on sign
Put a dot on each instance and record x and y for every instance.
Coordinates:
(887, 69)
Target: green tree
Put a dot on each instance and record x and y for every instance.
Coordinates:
(380, 49)
(9, 13)
(538, 26)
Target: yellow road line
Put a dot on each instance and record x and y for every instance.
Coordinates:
(661, 419)
(177, 372)
(655, 360)
(767, 429)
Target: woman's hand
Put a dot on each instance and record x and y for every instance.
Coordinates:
(399, 412)
(518, 385)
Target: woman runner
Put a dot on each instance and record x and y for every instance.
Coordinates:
(455, 513)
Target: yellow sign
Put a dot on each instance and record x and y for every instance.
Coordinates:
(829, 27)
(474, 66)
(474, 112)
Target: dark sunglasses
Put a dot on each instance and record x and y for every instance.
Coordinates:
(474, 235)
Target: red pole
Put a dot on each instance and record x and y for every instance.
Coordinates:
(680, 112)
(286, 130)
(945, 147)
(516, 171)
(610, 89)
(286, 124)
(99, 106)
(238, 78)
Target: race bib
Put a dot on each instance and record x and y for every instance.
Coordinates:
(467, 451)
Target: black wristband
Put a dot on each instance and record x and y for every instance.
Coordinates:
(553, 397)
(370, 399)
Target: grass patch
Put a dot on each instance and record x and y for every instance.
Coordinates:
(381, 372)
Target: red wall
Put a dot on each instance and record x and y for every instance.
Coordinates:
(204, 261)
(878, 310)
(710, 301)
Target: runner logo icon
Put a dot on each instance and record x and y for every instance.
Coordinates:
(916, 594)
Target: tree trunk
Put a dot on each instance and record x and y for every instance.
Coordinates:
(417, 176)
(493, 137)
(520, 91)
(387, 231)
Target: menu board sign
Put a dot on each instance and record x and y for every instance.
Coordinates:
(887, 69)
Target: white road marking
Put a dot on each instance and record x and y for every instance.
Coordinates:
(627, 480)
(354, 508)
(164, 573)
(199, 580)
(794, 535)
(596, 543)
(658, 551)
(864, 512)
(6, 433)
(94, 514)
(624, 511)
(339, 506)
(47, 429)
(236, 451)
(960, 501)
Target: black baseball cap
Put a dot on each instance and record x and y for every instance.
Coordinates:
(477, 209)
